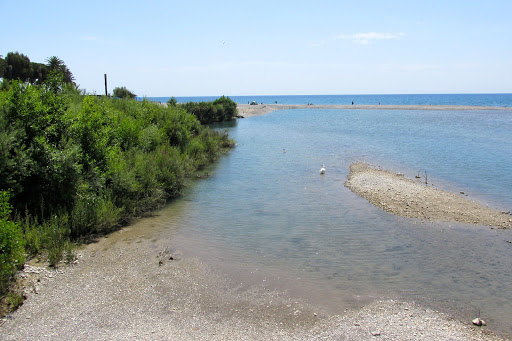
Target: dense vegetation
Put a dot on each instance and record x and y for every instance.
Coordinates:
(222, 109)
(72, 165)
(123, 92)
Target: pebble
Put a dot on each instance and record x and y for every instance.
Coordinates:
(479, 322)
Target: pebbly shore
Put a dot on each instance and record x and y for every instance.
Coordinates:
(247, 110)
(409, 198)
(132, 285)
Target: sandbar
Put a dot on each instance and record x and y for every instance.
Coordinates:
(247, 110)
(405, 197)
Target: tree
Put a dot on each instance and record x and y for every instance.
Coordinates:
(54, 63)
(39, 73)
(123, 92)
(18, 67)
(3, 66)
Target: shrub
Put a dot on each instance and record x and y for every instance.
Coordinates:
(79, 165)
(123, 92)
(222, 109)
(11, 244)
(172, 102)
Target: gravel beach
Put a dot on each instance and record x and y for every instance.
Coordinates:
(131, 285)
(408, 198)
(247, 110)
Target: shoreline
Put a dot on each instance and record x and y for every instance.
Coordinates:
(247, 110)
(405, 197)
(135, 284)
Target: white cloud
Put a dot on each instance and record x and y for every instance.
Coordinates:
(367, 38)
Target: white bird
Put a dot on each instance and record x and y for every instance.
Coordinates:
(322, 170)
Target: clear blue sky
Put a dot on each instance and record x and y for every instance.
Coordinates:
(195, 48)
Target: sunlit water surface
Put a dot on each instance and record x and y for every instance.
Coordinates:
(266, 215)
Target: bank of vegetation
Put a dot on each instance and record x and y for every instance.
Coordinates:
(74, 166)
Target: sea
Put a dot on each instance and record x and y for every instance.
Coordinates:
(497, 100)
(264, 216)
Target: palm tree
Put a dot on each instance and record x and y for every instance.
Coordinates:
(54, 63)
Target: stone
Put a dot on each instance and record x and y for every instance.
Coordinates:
(479, 322)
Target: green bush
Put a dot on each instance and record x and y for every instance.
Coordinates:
(80, 165)
(11, 244)
(123, 92)
(222, 109)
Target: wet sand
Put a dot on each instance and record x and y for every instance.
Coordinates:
(247, 110)
(408, 198)
(134, 285)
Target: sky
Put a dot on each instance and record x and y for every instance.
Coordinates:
(235, 48)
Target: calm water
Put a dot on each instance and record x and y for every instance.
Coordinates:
(270, 212)
(500, 100)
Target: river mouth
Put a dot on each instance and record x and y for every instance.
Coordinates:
(266, 216)
(413, 272)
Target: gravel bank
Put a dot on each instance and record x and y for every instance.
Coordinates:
(405, 197)
(131, 285)
(247, 110)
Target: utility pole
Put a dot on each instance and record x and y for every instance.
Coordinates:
(106, 91)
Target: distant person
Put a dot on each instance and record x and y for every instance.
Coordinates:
(275, 102)
(379, 103)
(352, 102)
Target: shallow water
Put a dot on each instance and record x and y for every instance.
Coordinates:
(268, 215)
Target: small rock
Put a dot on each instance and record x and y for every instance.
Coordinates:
(461, 192)
(479, 322)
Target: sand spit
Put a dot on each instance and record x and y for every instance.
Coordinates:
(133, 285)
(407, 198)
(247, 110)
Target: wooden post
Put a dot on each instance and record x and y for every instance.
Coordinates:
(106, 91)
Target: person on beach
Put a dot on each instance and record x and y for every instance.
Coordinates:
(352, 102)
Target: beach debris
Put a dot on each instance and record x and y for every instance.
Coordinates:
(375, 333)
(479, 322)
